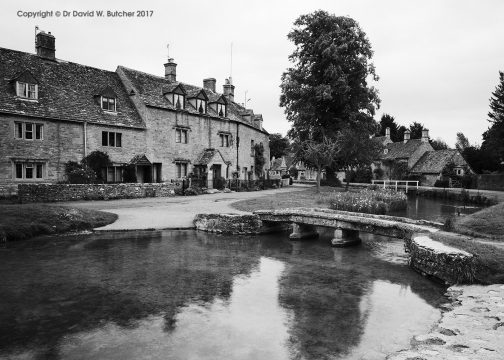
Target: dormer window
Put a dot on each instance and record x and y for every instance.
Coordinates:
(201, 106)
(108, 103)
(178, 100)
(27, 91)
(221, 110)
(385, 151)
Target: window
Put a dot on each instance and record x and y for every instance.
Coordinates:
(181, 136)
(29, 170)
(28, 91)
(201, 106)
(114, 174)
(181, 170)
(458, 171)
(221, 110)
(110, 138)
(224, 140)
(28, 131)
(178, 101)
(252, 149)
(108, 103)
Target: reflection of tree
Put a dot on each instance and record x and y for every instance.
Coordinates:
(71, 286)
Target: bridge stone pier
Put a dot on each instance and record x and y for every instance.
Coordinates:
(347, 225)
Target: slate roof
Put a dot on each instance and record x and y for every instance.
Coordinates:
(433, 162)
(151, 88)
(66, 91)
(140, 159)
(401, 150)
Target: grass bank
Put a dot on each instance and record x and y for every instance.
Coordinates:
(18, 222)
(487, 223)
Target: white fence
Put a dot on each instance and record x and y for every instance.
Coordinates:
(397, 184)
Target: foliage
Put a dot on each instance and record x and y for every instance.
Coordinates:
(259, 159)
(327, 89)
(129, 174)
(462, 142)
(192, 191)
(97, 160)
(493, 138)
(398, 170)
(219, 183)
(331, 181)
(368, 201)
(279, 146)
(378, 173)
(355, 149)
(439, 144)
(79, 174)
(396, 131)
(416, 130)
(361, 174)
(293, 172)
(442, 183)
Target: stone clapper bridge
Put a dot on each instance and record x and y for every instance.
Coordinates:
(426, 255)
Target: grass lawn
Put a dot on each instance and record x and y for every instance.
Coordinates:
(487, 223)
(18, 222)
(306, 198)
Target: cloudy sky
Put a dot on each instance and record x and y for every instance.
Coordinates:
(438, 61)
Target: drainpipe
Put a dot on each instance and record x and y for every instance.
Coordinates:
(85, 138)
(237, 147)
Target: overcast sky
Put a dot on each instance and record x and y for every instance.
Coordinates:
(438, 61)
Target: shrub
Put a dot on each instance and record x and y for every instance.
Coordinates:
(219, 183)
(191, 191)
(129, 174)
(97, 161)
(79, 174)
(334, 182)
(442, 183)
(378, 173)
(367, 201)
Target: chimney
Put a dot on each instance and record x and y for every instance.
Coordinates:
(387, 133)
(258, 121)
(406, 136)
(209, 84)
(229, 89)
(425, 135)
(170, 72)
(45, 45)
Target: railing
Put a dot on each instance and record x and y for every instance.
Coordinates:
(397, 184)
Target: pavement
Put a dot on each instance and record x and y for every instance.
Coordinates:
(172, 212)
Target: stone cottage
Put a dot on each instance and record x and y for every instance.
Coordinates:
(54, 111)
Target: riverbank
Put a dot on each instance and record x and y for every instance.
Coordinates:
(20, 222)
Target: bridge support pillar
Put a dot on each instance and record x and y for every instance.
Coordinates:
(303, 231)
(344, 237)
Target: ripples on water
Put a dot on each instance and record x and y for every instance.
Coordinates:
(191, 295)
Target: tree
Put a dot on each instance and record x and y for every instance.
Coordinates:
(317, 155)
(327, 89)
(416, 130)
(462, 142)
(355, 149)
(259, 159)
(439, 144)
(97, 161)
(388, 121)
(279, 145)
(493, 138)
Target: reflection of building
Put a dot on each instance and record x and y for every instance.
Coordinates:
(53, 111)
(415, 156)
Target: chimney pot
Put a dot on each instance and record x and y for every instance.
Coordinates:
(228, 89)
(171, 70)
(45, 45)
(387, 132)
(425, 135)
(209, 84)
(406, 136)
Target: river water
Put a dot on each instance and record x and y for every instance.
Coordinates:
(192, 295)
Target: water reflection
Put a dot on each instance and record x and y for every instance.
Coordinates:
(192, 295)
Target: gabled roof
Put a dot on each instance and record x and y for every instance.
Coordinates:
(433, 162)
(151, 90)
(401, 150)
(208, 155)
(175, 88)
(140, 159)
(107, 91)
(26, 77)
(66, 91)
(383, 140)
(197, 94)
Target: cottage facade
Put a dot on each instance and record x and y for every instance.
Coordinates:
(53, 111)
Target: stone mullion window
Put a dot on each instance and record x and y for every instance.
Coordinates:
(29, 170)
(27, 91)
(111, 139)
(181, 136)
(181, 169)
(28, 131)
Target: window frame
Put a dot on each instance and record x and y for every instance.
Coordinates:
(223, 108)
(26, 90)
(181, 134)
(225, 140)
(175, 98)
(181, 169)
(204, 104)
(36, 168)
(107, 100)
(114, 135)
(21, 130)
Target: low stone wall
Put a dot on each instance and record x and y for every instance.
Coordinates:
(30, 193)
(233, 224)
(446, 263)
(8, 190)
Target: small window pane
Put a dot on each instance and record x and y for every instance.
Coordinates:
(31, 91)
(184, 136)
(39, 171)
(19, 130)
(111, 139)
(29, 171)
(178, 134)
(28, 131)
(38, 131)
(184, 169)
(104, 138)
(112, 105)
(19, 171)
(118, 139)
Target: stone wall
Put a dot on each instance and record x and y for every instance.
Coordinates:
(234, 224)
(29, 193)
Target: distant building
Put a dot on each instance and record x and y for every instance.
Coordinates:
(417, 157)
(54, 111)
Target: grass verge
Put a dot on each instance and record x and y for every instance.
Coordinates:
(488, 223)
(379, 201)
(18, 222)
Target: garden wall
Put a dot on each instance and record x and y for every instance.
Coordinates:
(491, 182)
(29, 193)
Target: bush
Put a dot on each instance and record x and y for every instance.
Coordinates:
(367, 201)
(129, 174)
(442, 183)
(378, 173)
(79, 174)
(191, 191)
(334, 182)
(219, 183)
(285, 176)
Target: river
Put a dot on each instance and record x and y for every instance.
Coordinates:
(192, 295)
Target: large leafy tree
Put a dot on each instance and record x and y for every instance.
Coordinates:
(439, 144)
(279, 145)
(462, 142)
(493, 138)
(327, 88)
(416, 130)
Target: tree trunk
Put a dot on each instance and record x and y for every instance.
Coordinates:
(319, 170)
